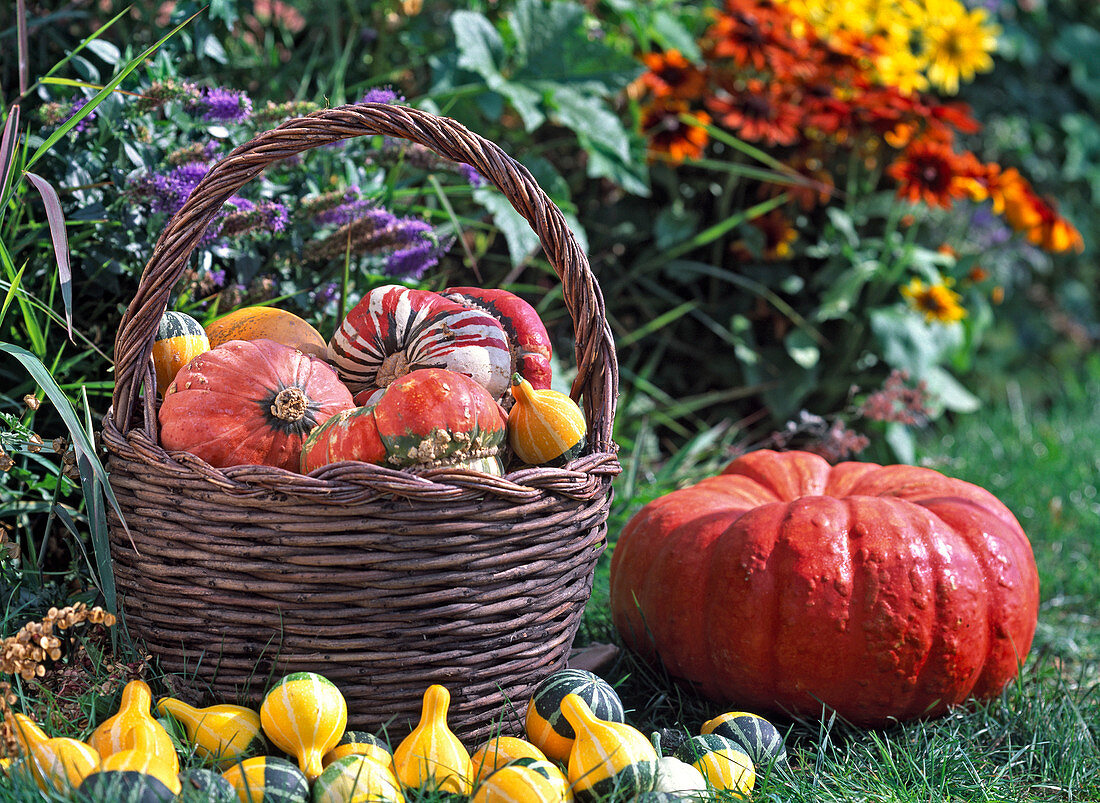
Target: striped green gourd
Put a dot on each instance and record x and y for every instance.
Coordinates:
(722, 762)
(268, 779)
(607, 758)
(547, 728)
(757, 737)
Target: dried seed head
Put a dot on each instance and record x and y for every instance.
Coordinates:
(31, 401)
(34, 442)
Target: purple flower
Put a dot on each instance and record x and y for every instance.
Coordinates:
(343, 213)
(168, 192)
(326, 294)
(382, 94)
(217, 277)
(221, 105)
(473, 178)
(273, 216)
(78, 104)
(414, 261)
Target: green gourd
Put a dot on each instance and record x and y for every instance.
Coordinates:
(357, 779)
(268, 779)
(607, 757)
(200, 785)
(222, 734)
(756, 736)
(432, 756)
(547, 728)
(721, 761)
(124, 786)
(304, 715)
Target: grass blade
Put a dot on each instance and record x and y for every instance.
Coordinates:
(90, 106)
(56, 218)
(12, 288)
(7, 146)
(712, 233)
(657, 323)
(97, 517)
(30, 322)
(21, 28)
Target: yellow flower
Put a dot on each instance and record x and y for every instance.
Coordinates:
(899, 66)
(938, 302)
(956, 43)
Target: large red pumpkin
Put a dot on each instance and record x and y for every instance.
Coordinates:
(884, 592)
(249, 402)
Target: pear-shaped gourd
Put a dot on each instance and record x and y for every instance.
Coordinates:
(357, 779)
(222, 734)
(431, 755)
(607, 757)
(59, 763)
(518, 782)
(498, 751)
(133, 711)
(305, 715)
(545, 427)
(140, 755)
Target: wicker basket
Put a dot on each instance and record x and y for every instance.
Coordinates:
(382, 580)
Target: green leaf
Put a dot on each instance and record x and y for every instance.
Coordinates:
(480, 47)
(590, 118)
(521, 238)
(841, 294)
(525, 100)
(802, 349)
(912, 344)
(901, 441)
(670, 34)
(541, 30)
(948, 391)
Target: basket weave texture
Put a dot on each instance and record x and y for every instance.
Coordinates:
(383, 581)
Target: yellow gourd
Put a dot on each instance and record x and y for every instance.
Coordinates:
(134, 711)
(179, 338)
(431, 755)
(607, 757)
(721, 761)
(498, 751)
(545, 427)
(222, 734)
(59, 763)
(264, 779)
(359, 743)
(141, 755)
(305, 715)
(518, 783)
(357, 779)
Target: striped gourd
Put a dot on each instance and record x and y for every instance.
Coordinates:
(221, 734)
(722, 762)
(179, 338)
(547, 728)
(607, 758)
(545, 427)
(304, 715)
(548, 769)
(141, 755)
(357, 779)
(518, 783)
(126, 786)
(431, 756)
(394, 330)
(59, 763)
(201, 785)
(134, 710)
(498, 751)
(268, 779)
(360, 743)
(757, 737)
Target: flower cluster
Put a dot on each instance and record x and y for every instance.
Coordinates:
(826, 86)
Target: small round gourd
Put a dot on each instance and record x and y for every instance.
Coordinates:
(200, 785)
(222, 734)
(547, 728)
(756, 736)
(721, 761)
(674, 776)
(545, 427)
(498, 751)
(431, 755)
(548, 769)
(518, 783)
(607, 758)
(268, 779)
(360, 743)
(304, 715)
(123, 786)
(357, 779)
(271, 323)
(179, 338)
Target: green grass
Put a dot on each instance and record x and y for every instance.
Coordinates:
(1035, 447)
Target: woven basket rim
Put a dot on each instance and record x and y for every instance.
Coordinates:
(130, 428)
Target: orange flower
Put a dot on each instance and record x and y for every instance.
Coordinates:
(938, 302)
(753, 34)
(671, 136)
(673, 76)
(933, 173)
(757, 112)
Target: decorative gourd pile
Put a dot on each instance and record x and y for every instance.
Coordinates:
(578, 747)
(410, 380)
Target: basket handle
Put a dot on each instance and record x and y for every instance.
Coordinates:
(597, 378)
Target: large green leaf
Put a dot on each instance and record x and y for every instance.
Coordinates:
(480, 47)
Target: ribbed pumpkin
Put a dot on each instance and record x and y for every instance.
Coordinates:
(268, 779)
(394, 330)
(249, 402)
(547, 727)
(357, 779)
(528, 340)
(304, 715)
(360, 743)
(221, 733)
(545, 427)
(269, 323)
(757, 737)
(607, 758)
(431, 755)
(722, 762)
(427, 418)
(784, 583)
(179, 338)
(498, 751)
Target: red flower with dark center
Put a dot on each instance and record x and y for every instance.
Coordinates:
(947, 118)
(758, 112)
(669, 135)
(933, 173)
(672, 76)
(754, 35)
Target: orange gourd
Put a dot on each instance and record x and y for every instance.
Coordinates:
(270, 323)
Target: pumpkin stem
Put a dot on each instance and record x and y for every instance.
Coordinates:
(395, 366)
(290, 405)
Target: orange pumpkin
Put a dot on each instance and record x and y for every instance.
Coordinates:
(271, 323)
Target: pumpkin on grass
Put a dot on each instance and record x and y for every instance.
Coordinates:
(249, 402)
(884, 592)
